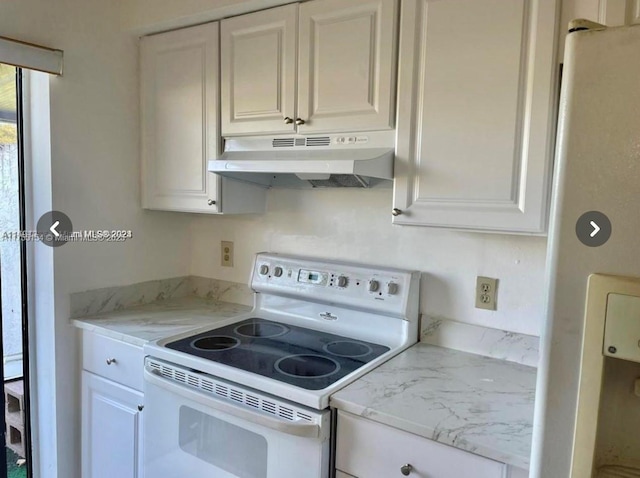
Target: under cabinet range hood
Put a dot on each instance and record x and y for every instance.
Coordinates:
(360, 160)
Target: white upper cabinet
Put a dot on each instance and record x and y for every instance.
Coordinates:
(180, 127)
(476, 114)
(344, 56)
(347, 65)
(258, 61)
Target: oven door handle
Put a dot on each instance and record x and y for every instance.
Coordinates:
(307, 430)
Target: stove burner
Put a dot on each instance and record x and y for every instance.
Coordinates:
(264, 330)
(307, 366)
(215, 343)
(347, 348)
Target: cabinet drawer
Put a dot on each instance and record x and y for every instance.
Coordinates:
(99, 352)
(367, 449)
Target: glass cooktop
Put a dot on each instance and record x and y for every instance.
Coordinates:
(302, 357)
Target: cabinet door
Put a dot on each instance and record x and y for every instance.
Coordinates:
(476, 103)
(179, 94)
(368, 449)
(258, 71)
(111, 429)
(347, 65)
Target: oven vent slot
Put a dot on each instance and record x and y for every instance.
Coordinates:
(253, 401)
(209, 385)
(285, 413)
(236, 396)
(269, 407)
(304, 416)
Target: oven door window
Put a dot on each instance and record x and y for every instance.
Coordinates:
(236, 450)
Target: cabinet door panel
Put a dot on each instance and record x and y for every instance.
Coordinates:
(347, 65)
(179, 84)
(368, 449)
(475, 139)
(258, 66)
(111, 429)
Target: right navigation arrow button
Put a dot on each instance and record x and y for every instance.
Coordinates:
(593, 228)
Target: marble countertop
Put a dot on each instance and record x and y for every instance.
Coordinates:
(475, 403)
(142, 324)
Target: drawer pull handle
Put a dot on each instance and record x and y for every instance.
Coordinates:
(396, 212)
(110, 361)
(288, 120)
(299, 121)
(140, 408)
(406, 469)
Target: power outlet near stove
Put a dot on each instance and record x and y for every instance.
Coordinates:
(486, 293)
(226, 254)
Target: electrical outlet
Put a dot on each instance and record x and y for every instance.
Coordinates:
(486, 293)
(226, 254)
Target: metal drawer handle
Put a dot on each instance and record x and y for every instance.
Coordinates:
(140, 408)
(110, 361)
(211, 202)
(396, 212)
(299, 121)
(406, 469)
(287, 120)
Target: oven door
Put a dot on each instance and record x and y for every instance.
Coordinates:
(189, 431)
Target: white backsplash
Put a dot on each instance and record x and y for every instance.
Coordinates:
(101, 301)
(499, 344)
(355, 225)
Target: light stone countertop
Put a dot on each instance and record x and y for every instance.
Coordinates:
(142, 324)
(475, 403)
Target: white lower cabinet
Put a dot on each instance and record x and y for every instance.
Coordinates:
(111, 429)
(366, 449)
(111, 417)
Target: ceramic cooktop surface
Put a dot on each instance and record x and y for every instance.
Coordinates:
(303, 357)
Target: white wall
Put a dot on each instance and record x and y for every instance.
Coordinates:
(95, 180)
(355, 225)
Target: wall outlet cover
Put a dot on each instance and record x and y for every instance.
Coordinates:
(486, 293)
(226, 253)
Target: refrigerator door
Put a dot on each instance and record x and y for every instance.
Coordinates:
(597, 169)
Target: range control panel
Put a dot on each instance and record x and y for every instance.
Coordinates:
(352, 284)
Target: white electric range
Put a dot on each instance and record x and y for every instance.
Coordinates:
(248, 398)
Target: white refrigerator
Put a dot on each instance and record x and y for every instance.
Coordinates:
(597, 169)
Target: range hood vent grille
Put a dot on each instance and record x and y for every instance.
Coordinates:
(319, 141)
(282, 142)
(291, 142)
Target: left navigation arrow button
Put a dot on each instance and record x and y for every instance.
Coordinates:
(53, 228)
